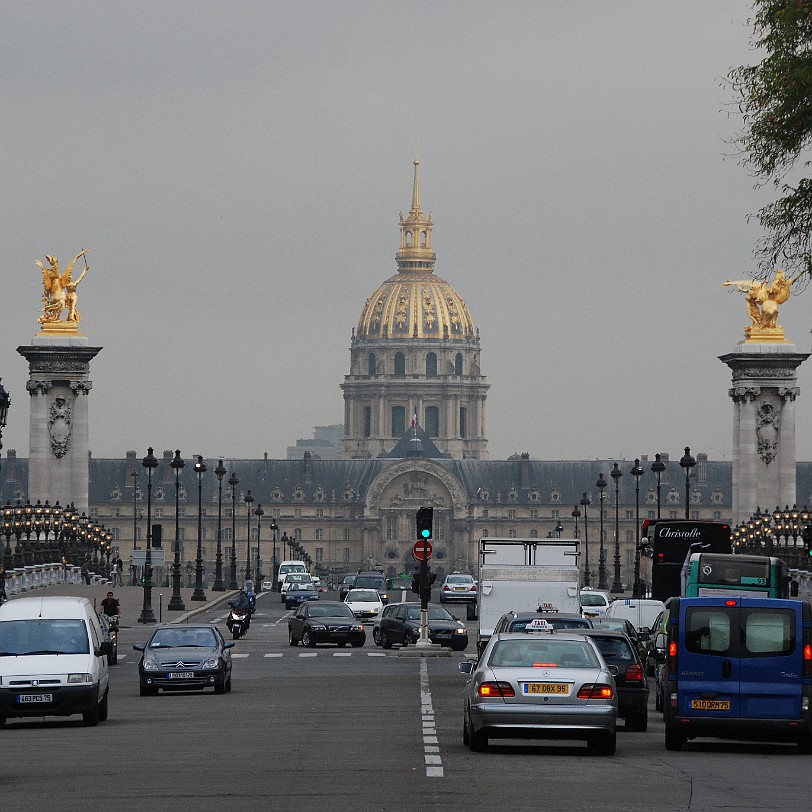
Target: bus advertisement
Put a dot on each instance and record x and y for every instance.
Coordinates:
(671, 541)
(711, 574)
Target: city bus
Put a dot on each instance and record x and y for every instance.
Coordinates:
(757, 575)
(671, 540)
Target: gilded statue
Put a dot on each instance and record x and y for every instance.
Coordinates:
(763, 299)
(60, 291)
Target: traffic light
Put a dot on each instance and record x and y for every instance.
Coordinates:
(425, 518)
(416, 581)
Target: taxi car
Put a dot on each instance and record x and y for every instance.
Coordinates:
(542, 684)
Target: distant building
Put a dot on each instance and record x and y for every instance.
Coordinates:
(326, 444)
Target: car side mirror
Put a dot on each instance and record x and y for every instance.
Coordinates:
(466, 666)
(229, 644)
(660, 641)
(644, 633)
(139, 646)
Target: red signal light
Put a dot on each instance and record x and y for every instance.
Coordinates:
(731, 603)
(672, 649)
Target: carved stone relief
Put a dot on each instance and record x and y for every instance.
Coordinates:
(767, 430)
(59, 426)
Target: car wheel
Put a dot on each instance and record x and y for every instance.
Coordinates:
(674, 739)
(376, 636)
(385, 641)
(658, 701)
(2, 720)
(91, 718)
(358, 643)
(228, 685)
(477, 740)
(220, 687)
(465, 732)
(605, 744)
(146, 690)
(307, 640)
(638, 721)
(459, 645)
(103, 707)
(805, 743)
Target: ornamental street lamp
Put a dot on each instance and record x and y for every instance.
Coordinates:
(232, 483)
(687, 462)
(176, 601)
(585, 503)
(219, 586)
(274, 530)
(248, 499)
(149, 462)
(616, 474)
(576, 514)
(601, 486)
(559, 529)
(657, 467)
(637, 472)
(259, 513)
(199, 594)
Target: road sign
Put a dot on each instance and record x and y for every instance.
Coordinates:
(417, 550)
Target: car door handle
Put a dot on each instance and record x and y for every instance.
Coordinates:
(727, 669)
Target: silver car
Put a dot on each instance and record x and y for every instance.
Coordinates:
(540, 685)
(458, 587)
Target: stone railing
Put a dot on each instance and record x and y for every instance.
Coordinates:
(25, 579)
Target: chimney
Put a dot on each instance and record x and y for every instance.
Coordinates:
(524, 470)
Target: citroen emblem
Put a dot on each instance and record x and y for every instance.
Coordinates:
(179, 665)
(35, 682)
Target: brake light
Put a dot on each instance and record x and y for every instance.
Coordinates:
(500, 688)
(545, 665)
(596, 690)
(731, 603)
(446, 588)
(634, 673)
(807, 661)
(672, 649)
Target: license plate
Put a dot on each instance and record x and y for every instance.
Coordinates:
(546, 688)
(180, 675)
(461, 588)
(710, 704)
(26, 698)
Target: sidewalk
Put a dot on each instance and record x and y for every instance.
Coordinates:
(132, 600)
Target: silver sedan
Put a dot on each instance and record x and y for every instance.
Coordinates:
(540, 685)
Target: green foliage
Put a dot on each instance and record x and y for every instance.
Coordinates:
(775, 100)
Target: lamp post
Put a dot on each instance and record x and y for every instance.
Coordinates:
(585, 503)
(601, 486)
(176, 603)
(149, 462)
(248, 499)
(259, 513)
(616, 474)
(219, 586)
(687, 462)
(657, 468)
(199, 594)
(5, 402)
(576, 514)
(559, 529)
(274, 530)
(232, 483)
(637, 472)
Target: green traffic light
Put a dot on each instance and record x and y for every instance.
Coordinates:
(426, 533)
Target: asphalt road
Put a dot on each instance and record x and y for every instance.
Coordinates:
(356, 729)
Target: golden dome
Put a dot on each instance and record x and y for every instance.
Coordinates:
(414, 303)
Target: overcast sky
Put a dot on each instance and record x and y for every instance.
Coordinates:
(237, 170)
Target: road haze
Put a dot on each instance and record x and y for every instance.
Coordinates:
(349, 729)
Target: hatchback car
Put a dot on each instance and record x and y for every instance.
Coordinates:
(325, 622)
(594, 602)
(400, 623)
(365, 604)
(458, 588)
(632, 686)
(540, 685)
(300, 593)
(185, 658)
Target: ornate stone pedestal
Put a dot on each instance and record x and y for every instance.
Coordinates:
(763, 392)
(59, 383)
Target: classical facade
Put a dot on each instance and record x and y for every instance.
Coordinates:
(414, 357)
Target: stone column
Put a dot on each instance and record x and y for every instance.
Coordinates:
(763, 392)
(59, 368)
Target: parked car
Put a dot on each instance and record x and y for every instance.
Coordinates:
(325, 622)
(458, 587)
(297, 594)
(183, 658)
(346, 586)
(632, 687)
(541, 685)
(365, 604)
(594, 602)
(400, 623)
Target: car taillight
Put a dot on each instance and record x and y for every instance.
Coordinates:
(634, 673)
(446, 588)
(808, 661)
(597, 690)
(473, 588)
(503, 689)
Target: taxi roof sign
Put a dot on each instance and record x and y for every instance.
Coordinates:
(538, 624)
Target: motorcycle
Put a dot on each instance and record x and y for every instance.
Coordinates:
(238, 622)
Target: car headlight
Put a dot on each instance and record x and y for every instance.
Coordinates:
(212, 662)
(79, 678)
(463, 630)
(318, 627)
(150, 665)
(357, 627)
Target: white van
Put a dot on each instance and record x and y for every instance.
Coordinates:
(641, 612)
(288, 566)
(53, 659)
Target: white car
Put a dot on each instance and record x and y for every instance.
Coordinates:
(594, 603)
(365, 604)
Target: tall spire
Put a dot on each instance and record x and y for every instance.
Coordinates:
(415, 252)
(415, 210)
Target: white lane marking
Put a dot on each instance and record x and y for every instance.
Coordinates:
(431, 749)
(308, 654)
(376, 654)
(342, 654)
(238, 656)
(275, 654)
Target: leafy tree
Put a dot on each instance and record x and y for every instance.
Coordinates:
(775, 100)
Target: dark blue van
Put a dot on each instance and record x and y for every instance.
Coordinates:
(738, 668)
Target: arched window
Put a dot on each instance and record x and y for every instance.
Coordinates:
(431, 365)
(458, 364)
(400, 364)
(408, 239)
(372, 364)
(422, 239)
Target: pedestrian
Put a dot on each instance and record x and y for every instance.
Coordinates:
(3, 596)
(86, 572)
(114, 573)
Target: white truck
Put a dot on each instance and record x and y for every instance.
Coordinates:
(525, 575)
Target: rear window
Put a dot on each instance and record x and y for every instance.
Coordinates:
(764, 632)
(615, 650)
(709, 631)
(588, 599)
(371, 581)
(768, 632)
(555, 622)
(542, 654)
(460, 579)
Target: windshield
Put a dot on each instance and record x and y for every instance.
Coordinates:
(591, 599)
(298, 578)
(22, 637)
(363, 596)
(285, 568)
(435, 613)
(373, 581)
(339, 610)
(546, 653)
(183, 638)
(555, 622)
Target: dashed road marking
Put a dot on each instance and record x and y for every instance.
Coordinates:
(431, 749)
